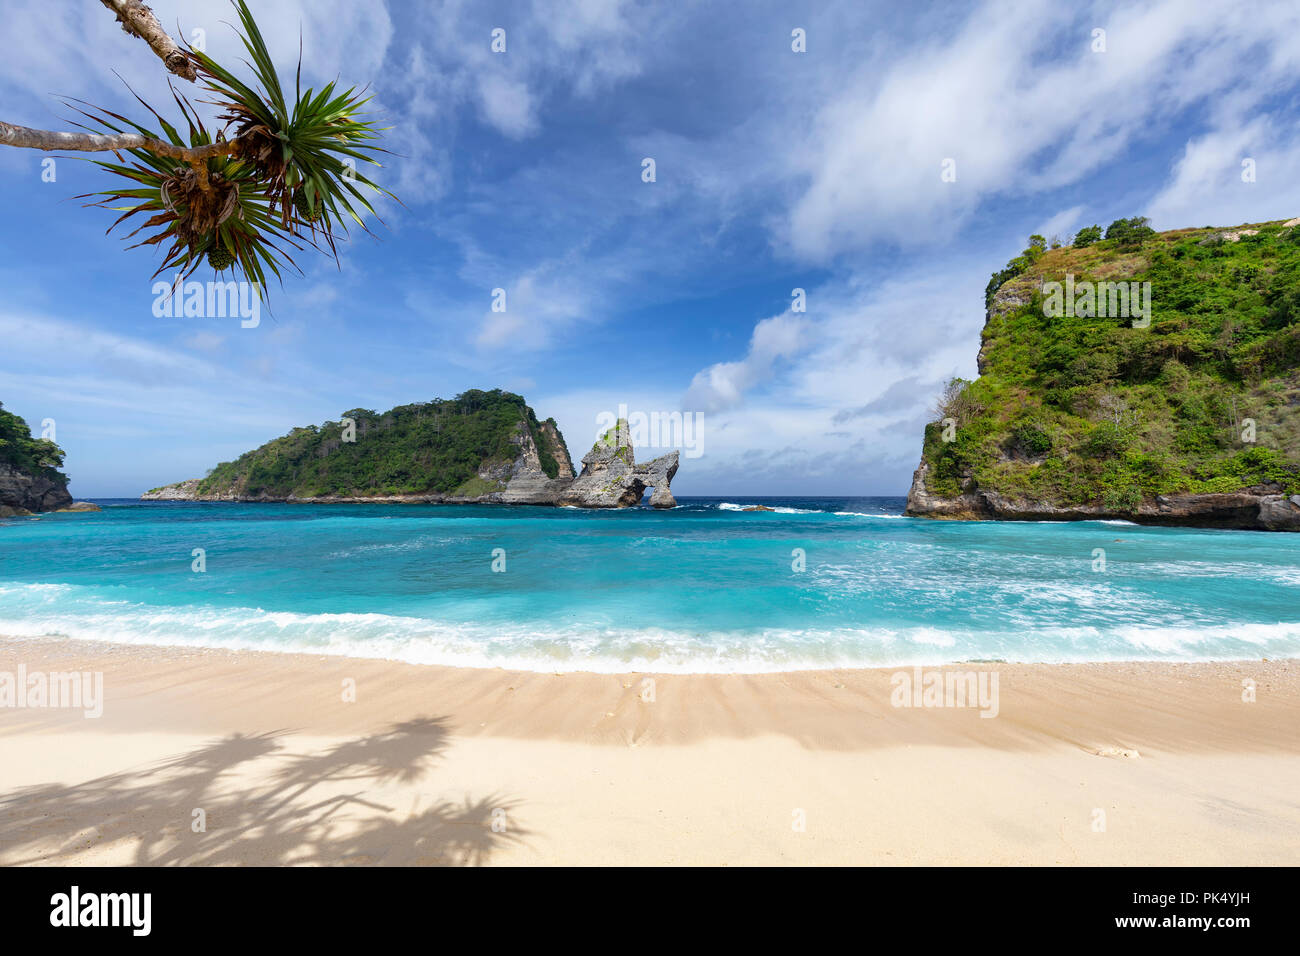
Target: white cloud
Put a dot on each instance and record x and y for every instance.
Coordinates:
(508, 105)
(1014, 95)
(847, 387)
(538, 306)
(1061, 225)
(339, 39)
(723, 385)
(1207, 188)
(1017, 99)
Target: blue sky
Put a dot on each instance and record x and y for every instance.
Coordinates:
(774, 170)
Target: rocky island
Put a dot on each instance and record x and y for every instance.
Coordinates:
(1153, 377)
(482, 447)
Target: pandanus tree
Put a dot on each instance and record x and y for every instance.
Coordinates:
(277, 174)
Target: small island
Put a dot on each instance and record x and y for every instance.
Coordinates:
(481, 447)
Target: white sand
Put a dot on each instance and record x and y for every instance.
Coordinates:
(578, 768)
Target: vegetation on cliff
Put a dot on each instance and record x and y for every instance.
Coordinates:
(38, 457)
(438, 446)
(1079, 409)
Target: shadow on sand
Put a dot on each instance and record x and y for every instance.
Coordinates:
(314, 808)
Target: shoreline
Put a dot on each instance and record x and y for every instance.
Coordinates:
(591, 768)
(868, 688)
(635, 668)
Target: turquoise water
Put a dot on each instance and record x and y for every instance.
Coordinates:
(705, 587)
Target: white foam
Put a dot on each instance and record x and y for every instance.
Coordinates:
(731, 506)
(42, 610)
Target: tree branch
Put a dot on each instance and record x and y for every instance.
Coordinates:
(138, 20)
(22, 136)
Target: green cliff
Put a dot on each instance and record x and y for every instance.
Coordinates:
(1102, 395)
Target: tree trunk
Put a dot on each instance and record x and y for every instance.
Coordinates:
(22, 136)
(138, 20)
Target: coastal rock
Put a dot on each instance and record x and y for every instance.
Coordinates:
(611, 478)
(82, 506)
(180, 491)
(658, 474)
(22, 492)
(1252, 509)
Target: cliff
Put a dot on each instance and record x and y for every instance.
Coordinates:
(29, 477)
(1145, 376)
(479, 448)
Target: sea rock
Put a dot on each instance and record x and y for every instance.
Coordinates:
(611, 478)
(22, 492)
(82, 506)
(658, 474)
(758, 508)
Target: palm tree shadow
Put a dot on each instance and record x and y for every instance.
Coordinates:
(313, 808)
(446, 834)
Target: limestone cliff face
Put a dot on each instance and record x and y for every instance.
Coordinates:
(524, 482)
(21, 493)
(610, 478)
(552, 433)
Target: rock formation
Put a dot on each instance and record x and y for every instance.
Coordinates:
(1263, 507)
(30, 479)
(611, 478)
(22, 493)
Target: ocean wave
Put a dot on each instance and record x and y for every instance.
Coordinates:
(44, 610)
(730, 506)
(785, 510)
(413, 544)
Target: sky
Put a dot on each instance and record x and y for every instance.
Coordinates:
(886, 169)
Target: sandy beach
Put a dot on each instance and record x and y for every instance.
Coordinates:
(223, 757)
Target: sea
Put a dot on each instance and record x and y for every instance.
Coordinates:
(707, 587)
